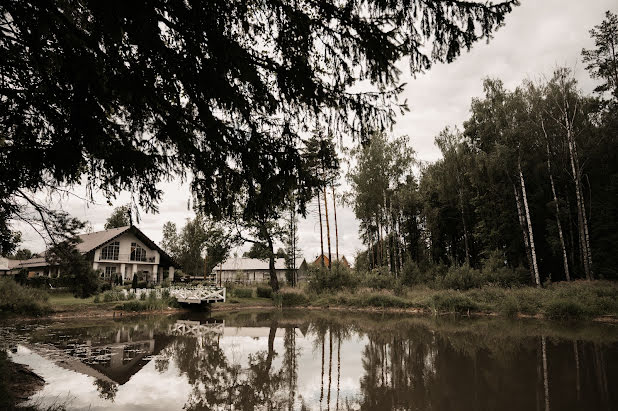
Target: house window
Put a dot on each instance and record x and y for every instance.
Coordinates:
(137, 252)
(109, 272)
(110, 251)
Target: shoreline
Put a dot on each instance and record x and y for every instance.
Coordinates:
(227, 307)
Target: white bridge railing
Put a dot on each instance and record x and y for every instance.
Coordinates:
(198, 294)
(195, 328)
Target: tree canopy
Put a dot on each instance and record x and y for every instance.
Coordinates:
(120, 217)
(127, 94)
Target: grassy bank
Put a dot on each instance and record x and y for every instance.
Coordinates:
(18, 300)
(574, 300)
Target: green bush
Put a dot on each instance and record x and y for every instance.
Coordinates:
(290, 299)
(322, 279)
(452, 302)
(379, 279)
(461, 277)
(97, 299)
(496, 272)
(148, 304)
(562, 309)
(264, 292)
(17, 299)
(142, 296)
(384, 300)
(242, 292)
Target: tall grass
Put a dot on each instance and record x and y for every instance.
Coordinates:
(17, 299)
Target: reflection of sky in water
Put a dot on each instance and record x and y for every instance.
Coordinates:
(400, 362)
(150, 389)
(147, 390)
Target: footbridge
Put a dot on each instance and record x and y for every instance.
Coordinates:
(198, 295)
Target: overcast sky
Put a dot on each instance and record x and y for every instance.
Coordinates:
(538, 36)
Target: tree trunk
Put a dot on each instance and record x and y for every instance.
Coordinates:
(581, 209)
(581, 212)
(522, 224)
(274, 282)
(565, 259)
(529, 221)
(336, 226)
(465, 228)
(321, 232)
(577, 377)
(327, 228)
(545, 373)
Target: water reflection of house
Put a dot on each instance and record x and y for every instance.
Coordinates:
(123, 251)
(114, 359)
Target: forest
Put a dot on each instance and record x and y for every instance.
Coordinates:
(525, 192)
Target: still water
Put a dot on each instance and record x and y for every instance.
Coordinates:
(318, 360)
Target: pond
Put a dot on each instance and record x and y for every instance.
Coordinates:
(318, 360)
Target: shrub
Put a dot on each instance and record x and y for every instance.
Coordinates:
(142, 296)
(452, 302)
(148, 304)
(108, 297)
(412, 274)
(562, 309)
(97, 299)
(384, 300)
(495, 271)
(461, 278)
(379, 279)
(288, 298)
(17, 299)
(509, 307)
(321, 279)
(242, 292)
(264, 292)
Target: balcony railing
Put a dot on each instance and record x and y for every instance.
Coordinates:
(126, 258)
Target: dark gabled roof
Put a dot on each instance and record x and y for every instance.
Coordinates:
(90, 241)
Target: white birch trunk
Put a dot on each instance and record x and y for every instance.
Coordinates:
(529, 222)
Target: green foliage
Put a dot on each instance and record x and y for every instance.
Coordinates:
(110, 296)
(119, 217)
(264, 291)
(563, 309)
(290, 298)
(149, 303)
(17, 299)
(77, 271)
(461, 278)
(242, 292)
(321, 279)
(602, 61)
(195, 237)
(282, 74)
(452, 302)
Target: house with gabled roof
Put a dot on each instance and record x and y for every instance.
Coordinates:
(253, 270)
(123, 251)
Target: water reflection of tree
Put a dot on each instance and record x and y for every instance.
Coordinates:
(107, 389)
(405, 366)
(216, 382)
